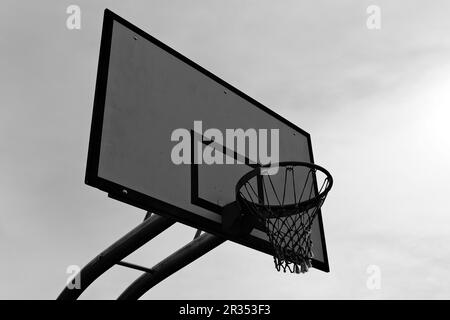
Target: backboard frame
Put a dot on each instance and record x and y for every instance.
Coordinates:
(144, 201)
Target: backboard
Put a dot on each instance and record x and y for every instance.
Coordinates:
(145, 91)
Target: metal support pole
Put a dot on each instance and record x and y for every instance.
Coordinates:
(198, 233)
(133, 266)
(126, 245)
(181, 258)
(148, 215)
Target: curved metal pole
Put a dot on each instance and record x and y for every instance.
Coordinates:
(126, 245)
(181, 258)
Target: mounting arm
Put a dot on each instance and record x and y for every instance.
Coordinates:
(126, 245)
(181, 258)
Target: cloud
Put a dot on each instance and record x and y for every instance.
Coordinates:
(375, 102)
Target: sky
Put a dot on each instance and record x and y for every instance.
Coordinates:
(375, 101)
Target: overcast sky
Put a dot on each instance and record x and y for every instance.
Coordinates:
(376, 103)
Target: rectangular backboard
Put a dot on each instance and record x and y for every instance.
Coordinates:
(145, 90)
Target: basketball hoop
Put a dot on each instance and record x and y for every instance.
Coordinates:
(285, 208)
